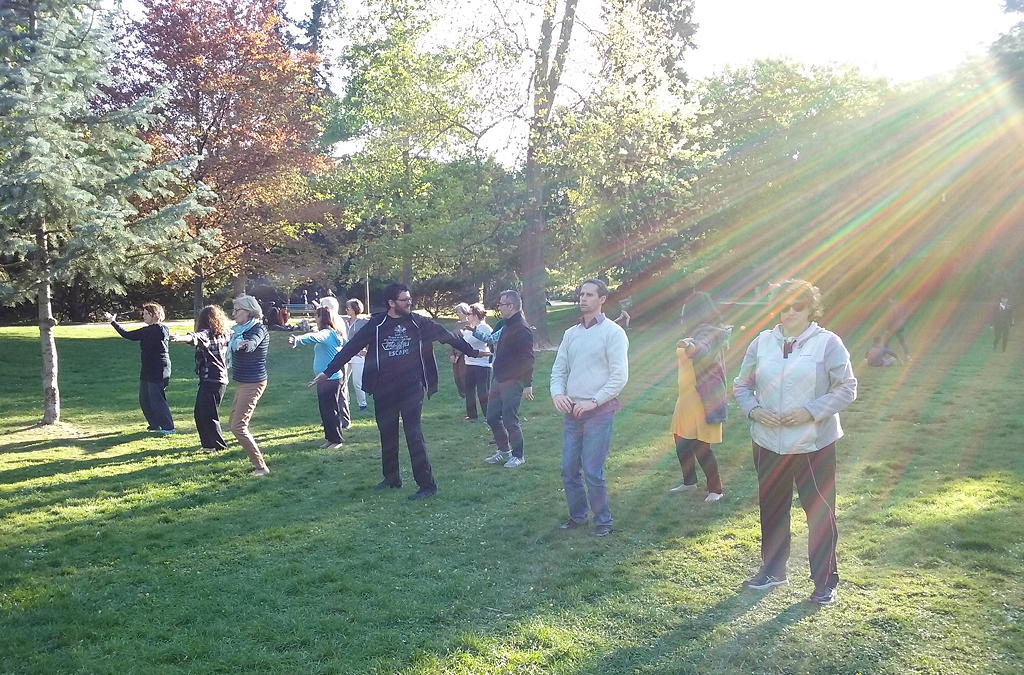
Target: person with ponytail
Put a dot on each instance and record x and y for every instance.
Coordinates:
(327, 341)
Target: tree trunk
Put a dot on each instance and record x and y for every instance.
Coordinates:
(547, 75)
(238, 284)
(198, 296)
(406, 211)
(531, 250)
(51, 390)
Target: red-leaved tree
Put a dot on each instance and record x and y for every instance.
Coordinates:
(243, 102)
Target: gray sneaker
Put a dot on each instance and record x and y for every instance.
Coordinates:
(513, 462)
(498, 457)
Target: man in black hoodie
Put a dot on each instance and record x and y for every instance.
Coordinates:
(399, 368)
(512, 379)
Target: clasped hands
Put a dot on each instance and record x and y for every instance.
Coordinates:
(789, 418)
(567, 406)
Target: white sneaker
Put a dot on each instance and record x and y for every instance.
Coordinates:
(514, 462)
(713, 497)
(498, 457)
(334, 446)
(325, 444)
(684, 488)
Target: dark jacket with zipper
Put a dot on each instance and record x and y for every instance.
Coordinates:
(513, 355)
(422, 331)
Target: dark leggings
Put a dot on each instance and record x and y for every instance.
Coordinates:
(478, 381)
(686, 450)
(207, 415)
(328, 394)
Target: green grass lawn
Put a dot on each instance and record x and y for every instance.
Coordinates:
(123, 552)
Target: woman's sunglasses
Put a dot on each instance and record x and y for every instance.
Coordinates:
(794, 306)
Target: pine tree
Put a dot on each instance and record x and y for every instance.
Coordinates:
(76, 194)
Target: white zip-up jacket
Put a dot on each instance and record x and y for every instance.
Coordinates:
(816, 375)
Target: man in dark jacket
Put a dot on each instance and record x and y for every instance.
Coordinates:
(512, 379)
(399, 368)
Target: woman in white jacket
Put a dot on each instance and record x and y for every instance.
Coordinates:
(793, 382)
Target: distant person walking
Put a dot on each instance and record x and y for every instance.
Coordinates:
(247, 349)
(793, 381)
(399, 369)
(590, 371)
(327, 341)
(1002, 319)
(701, 404)
(155, 373)
(895, 324)
(511, 382)
(210, 339)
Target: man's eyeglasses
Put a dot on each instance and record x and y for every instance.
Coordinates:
(794, 306)
(504, 304)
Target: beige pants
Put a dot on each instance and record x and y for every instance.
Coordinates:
(247, 395)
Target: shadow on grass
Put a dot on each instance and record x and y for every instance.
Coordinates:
(684, 647)
(91, 443)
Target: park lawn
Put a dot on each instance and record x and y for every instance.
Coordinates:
(124, 552)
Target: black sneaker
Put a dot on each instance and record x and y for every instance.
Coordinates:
(823, 595)
(762, 581)
(601, 531)
(572, 524)
(385, 484)
(423, 493)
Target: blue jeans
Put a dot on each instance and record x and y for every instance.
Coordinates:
(503, 415)
(585, 444)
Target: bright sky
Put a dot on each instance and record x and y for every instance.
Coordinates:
(903, 40)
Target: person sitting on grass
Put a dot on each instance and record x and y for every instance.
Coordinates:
(155, 374)
(880, 356)
(210, 339)
(327, 341)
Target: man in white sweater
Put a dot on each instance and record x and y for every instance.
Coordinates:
(590, 370)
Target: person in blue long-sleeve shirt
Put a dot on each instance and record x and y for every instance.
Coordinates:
(327, 341)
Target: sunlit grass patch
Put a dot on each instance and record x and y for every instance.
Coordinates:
(126, 552)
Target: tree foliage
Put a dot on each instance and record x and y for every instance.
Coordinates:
(244, 103)
(80, 192)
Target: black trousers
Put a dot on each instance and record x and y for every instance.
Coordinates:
(478, 382)
(153, 401)
(687, 449)
(1000, 332)
(815, 476)
(328, 395)
(207, 414)
(387, 410)
(503, 415)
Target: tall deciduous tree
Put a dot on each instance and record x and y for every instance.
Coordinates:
(74, 182)
(406, 106)
(642, 48)
(242, 101)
